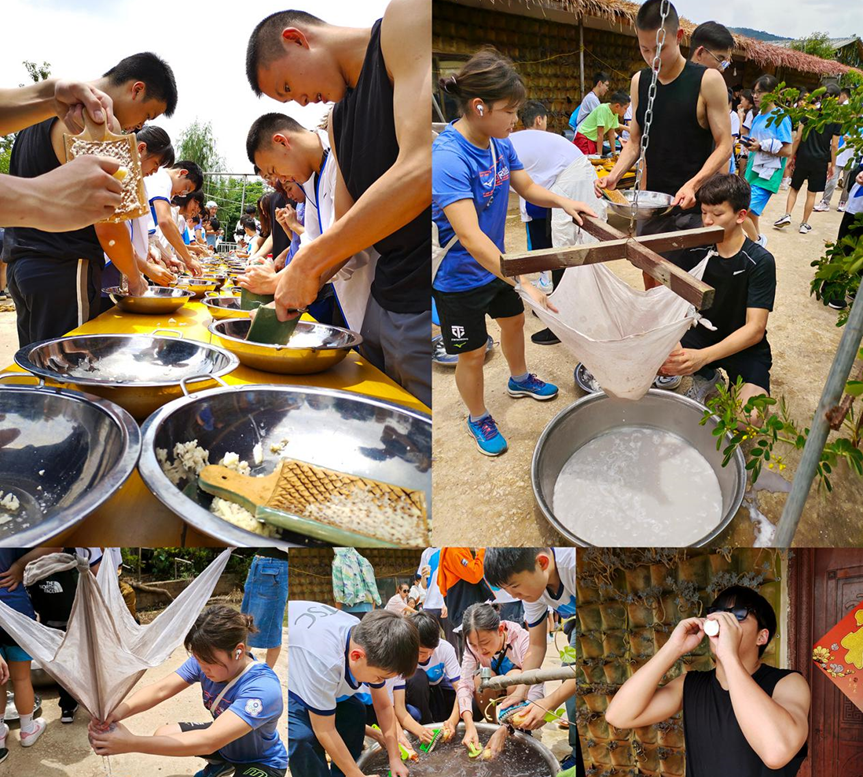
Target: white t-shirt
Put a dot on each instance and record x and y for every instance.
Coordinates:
(735, 123)
(544, 156)
(442, 666)
(561, 601)
(589, 102)
(158, 186)
(396, 604)
(417, 593)
(627, 117)
(318, 656)
(431, 559)
(747, 120)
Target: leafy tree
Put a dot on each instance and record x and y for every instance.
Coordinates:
(197, 143)
(37, 73)
(817, 44)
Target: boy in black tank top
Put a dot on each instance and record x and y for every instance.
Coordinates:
(743, 718)
(380, 79)
(690, 132)
(55, 277)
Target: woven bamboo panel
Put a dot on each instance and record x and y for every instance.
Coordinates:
(628, 603)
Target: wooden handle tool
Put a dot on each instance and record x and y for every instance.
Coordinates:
(615, 196)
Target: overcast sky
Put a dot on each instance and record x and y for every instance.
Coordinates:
(788, 18)
(204, 42)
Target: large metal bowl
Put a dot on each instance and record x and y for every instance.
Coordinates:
(485, 730)
(198, 286)
(62, 454)
(596, 414)
(227, 306)
(157, 300)
(138, 372)
(312, 348)
(649, 204)
(335, 429)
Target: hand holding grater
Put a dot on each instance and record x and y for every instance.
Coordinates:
(98, 140)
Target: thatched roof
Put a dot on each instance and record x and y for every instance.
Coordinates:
(760, 52)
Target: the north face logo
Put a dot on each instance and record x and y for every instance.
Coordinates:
(51, 587)
(458, 332)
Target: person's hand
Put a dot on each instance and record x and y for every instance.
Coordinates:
(515, 697)
(158, 274)
(531, 717)
(378, 736)
(443, 612)
(540, 297)
(687, 635)
(4, 671)
(72, 98)
(471, 737)
(495, 745)
(295, 290)
(137, 285)
(259, 279)
(576, 209)
(609, 183)
(12, 577)
(685, 196)
(174, 264)
(194, 267)
(403, 741)
(726, 644)
(684, 361)
(449, 728)
(398, 768)
(76, 195)
(426, 735)
(113, 741)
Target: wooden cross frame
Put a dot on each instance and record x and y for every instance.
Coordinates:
(642, 251)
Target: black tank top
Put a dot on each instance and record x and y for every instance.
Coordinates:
(715, 745)
(33, 155)
(679, 145)
(365, 137)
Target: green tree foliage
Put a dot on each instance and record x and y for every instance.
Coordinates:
(817, 44)
(37, 73)
(197, 143)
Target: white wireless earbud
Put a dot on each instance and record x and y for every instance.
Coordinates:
(239, 653)
(480, 110)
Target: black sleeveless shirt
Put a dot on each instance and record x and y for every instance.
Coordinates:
(33, 155)
(715, 745)
(365, 137)
(679, 145)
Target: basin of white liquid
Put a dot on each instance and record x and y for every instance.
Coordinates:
(638, 486)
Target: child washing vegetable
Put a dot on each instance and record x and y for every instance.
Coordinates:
(244, 697)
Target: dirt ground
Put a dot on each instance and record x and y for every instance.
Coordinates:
(480, 500)
(64, 750)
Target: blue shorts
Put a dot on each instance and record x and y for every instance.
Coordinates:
(759, 199)
(265, 598)
(14, 653)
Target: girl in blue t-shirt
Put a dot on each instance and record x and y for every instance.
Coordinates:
(243, 696)
(473, 165)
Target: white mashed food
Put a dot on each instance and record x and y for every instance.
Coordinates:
(257, 454)
(232, 461)
(9, 502)
(278, 447)
(240, 517)
(638, 487)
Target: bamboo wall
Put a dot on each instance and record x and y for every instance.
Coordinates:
(628, 604)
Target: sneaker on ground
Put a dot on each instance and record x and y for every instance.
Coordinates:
(841, 207)
(28, 740)
(667, 382)
(821, 207)
(532, 387)
(762, 241)
(4, 732)
(545, 337)
(783, 222)
(4, 754)
(67, 716)
(488, 439)
(805, 229)
(215, 770)
(702, 389)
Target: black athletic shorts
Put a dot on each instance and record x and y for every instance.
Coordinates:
(240, 770)
(462, 313)
(752, 364)
(814, 174)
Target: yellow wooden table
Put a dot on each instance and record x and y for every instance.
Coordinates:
(133, 517)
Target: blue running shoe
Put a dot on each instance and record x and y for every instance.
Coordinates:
(532, 387)
(216, 770)
(488, 439)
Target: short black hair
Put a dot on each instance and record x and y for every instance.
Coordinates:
(154, 72)
(600, 77)
(184, 200)
(501, 564)
(263, 128)
(740, 596)
(711, 35)
(725, 187)
(532, 110)
(248, 222)
(265, 42)
(158, 143)
(428, 629)
(391, 643)
(768, 83)
(193, 172)
(650, 17)
(620, 97)
(251, 210)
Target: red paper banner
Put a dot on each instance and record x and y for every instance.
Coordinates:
(839, 654)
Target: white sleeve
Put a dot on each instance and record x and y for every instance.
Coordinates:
(313, 682)
(535, 613)
(451, 664)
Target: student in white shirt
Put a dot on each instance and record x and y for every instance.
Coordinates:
(331, 655)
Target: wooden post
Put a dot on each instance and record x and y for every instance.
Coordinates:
(581, 52)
